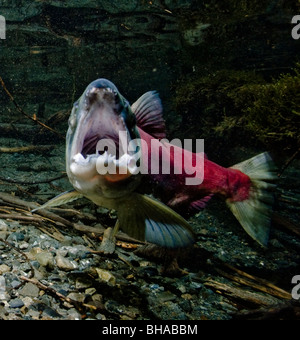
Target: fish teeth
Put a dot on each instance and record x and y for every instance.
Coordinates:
(78, 158)
(125, 164)
(83, 167)
(122, 162)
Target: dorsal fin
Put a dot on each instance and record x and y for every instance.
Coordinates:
(148, 110)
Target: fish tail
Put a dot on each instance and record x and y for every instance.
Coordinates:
(254, 212)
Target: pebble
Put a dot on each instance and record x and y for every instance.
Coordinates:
(106, 276)
(3, 225)
(3, 294)
(45, 259)
(27, 301)
(103, 287)
(3, 230)
(64, 263)
(15, 283)
(23, 245)
(29, 289)
(4, 269)
(16, 303)
(16, 237)
(79, 297)
(82, 283)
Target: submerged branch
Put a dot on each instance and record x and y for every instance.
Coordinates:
(43, 215)
(29, 148)
(15, 181)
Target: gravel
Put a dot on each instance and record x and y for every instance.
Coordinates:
(54, 271)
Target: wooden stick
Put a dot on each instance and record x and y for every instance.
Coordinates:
(260, 284)
(21, 217)
(15, 181)
(29, 205)
(285, 223)
(15, 201)
(50, 290)
(255, 298)
(271, 312)
(29, 148)
(98, 231)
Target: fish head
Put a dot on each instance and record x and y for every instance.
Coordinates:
(101, 126)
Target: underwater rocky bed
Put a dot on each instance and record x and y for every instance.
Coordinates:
(50, 267)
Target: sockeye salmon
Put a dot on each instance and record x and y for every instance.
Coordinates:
(106, 133)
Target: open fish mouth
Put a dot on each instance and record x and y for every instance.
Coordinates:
(103, 138)
(103, 121)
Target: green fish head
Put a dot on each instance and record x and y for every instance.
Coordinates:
(101, 126)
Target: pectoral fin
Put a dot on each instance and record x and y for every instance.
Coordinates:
(65, 197)
(148, 220)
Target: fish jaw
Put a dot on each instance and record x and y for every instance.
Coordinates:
(100, 115)
(94, 116)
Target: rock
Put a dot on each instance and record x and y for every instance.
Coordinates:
(29, 289)
(108, 243)
(82, 283)
(45, 259)
(90, 291)
(33, 252)
(165, 296)
(16, 303)
(106, 276)
(23, 245)
(3, 230)
(16, 237)
(76, 296)
(64, 263)
(3, 294)
(4, 269)
(73, 314)
(15, 283)
(3, 226)
(27, 301)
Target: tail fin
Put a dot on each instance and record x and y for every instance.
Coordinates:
(254, 213)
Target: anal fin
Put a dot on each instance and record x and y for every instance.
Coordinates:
(147, 219)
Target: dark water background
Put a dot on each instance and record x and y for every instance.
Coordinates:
(53, 49)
